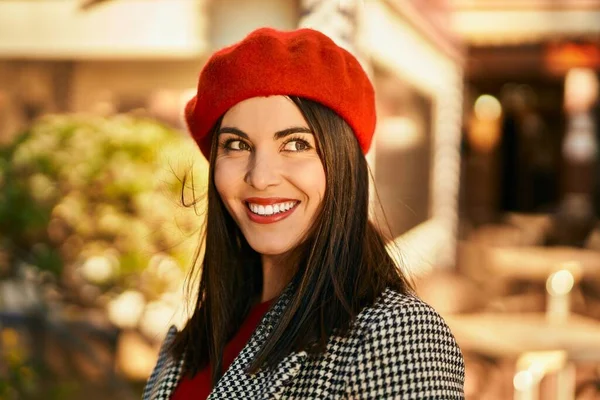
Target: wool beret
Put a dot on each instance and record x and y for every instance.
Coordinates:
(304, 63)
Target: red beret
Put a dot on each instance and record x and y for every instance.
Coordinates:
(303, 63)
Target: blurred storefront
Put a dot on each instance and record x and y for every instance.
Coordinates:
(100, 57)
(417, 67)
(528, 238)
(521, 53)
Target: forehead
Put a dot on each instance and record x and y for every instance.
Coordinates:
(264, 115)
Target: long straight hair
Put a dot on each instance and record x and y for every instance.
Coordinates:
(341, 265)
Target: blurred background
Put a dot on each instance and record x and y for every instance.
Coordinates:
(485, 158)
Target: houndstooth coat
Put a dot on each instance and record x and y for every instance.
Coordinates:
(399, 348)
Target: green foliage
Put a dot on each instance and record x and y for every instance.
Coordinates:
(74, 187)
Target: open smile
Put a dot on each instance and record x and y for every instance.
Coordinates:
(269, 210)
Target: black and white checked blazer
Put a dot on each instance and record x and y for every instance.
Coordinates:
(399, 348)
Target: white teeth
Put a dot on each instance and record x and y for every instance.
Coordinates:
(271, 209)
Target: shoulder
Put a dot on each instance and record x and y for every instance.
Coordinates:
(405, 341)
(164, 352)
(399, 312)
(406, 320)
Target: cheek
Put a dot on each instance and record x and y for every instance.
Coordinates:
(221, 182)
(310, 178)
(226, 178)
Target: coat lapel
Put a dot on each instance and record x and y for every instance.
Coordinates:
(268, 383)
(167, 380)
(236, 383)
(285, 373)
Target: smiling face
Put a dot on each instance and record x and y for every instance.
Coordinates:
(268, 172)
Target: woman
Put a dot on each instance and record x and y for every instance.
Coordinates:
(298, 297)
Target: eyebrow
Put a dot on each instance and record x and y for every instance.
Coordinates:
(277, 135)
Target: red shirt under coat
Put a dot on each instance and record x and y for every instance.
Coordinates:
(199, 387)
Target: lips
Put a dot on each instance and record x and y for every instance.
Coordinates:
(269, 210)
(265, 201)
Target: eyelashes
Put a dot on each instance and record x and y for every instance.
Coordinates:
(237, 144)
(299, 140)
(228, 145)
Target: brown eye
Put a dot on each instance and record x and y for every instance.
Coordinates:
(238, 145)
(296, 145)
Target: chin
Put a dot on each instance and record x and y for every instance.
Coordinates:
(270, 249)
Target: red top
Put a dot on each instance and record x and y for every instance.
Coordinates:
(199, 387)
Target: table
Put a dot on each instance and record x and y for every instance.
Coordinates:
(537, 263)
(515, 335)
(508, 335)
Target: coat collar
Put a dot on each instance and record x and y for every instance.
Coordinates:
(270, 382)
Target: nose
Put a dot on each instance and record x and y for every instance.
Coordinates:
(263, 171)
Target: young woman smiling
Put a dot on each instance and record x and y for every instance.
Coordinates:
(298, 297)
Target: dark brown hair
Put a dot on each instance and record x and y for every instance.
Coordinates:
(341, 266)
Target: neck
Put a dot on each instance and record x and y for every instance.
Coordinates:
(275, 277)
